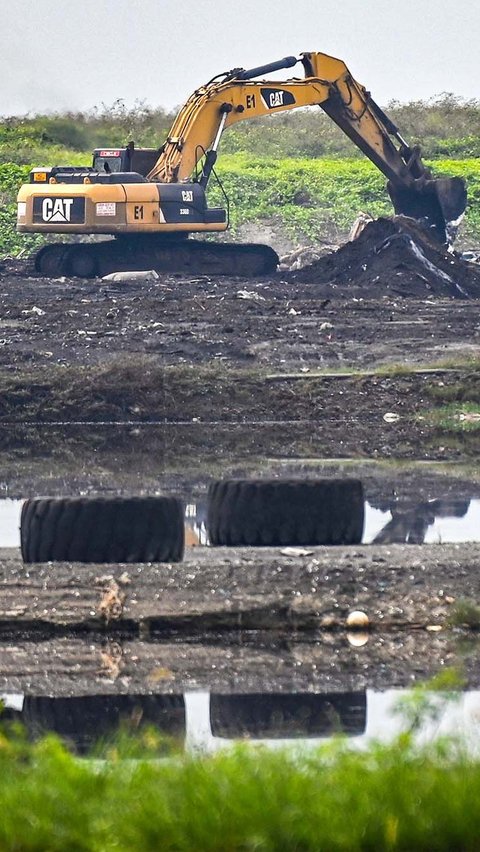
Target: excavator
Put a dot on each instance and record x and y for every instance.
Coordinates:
(152, 200)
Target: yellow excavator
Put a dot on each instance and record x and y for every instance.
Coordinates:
(152, 200)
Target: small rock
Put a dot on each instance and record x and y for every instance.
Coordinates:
(138, 275)
(295, 551)
(357, 618)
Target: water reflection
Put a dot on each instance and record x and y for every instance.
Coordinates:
(206, 721)
(84, 721)
(447, 519)
(444, 519)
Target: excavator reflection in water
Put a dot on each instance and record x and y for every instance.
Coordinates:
(151, 200)
(410, 522)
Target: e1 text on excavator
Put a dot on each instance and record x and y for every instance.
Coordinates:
(151, 200)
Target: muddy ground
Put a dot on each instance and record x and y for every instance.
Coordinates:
(233, 351)
(340, 312)
(262, 601)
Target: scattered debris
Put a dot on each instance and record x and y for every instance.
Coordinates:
(144, 275)
(359, 225)
(296, 551)
(111, 659)
(250, 295)
(112, 600)
(37, 311)
(303, 256)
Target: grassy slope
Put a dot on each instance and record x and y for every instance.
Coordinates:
(313, 199)
(317, 197)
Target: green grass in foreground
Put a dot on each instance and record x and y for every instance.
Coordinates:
(394, 797)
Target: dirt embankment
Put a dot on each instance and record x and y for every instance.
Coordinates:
(398, 586)
(257, 369)
(408, 592)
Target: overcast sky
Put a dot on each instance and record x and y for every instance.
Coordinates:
(77, 54)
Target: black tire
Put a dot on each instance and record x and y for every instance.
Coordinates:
(285, 512)
(265, 716)
(86, 720)
(102, 529)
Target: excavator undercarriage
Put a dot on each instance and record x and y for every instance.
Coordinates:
(197, 257)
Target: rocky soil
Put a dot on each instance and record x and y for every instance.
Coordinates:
(172, 380)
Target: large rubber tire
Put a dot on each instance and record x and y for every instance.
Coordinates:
(102, 529)
(285, 512)
(86, 720)
(278, 716)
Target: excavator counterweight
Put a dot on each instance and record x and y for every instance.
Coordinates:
(151, 201)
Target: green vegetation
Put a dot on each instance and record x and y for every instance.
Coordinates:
(455, 418)
(465, 613)
(70, 138)
(320, 199)
(395, 797)
(444, 126)
(457, 405)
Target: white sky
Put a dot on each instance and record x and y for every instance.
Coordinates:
(75, 54)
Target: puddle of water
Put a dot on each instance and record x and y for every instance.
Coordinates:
(209, 722)
(10, 522)
(452, 520)
(433, 521)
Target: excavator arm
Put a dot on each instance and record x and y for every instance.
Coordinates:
(235, 96)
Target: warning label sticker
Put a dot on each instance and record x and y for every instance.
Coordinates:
(106, 208)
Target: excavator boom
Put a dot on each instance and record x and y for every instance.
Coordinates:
(329, 84)
(149, 213)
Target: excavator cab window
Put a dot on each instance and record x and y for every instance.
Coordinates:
(106, 162)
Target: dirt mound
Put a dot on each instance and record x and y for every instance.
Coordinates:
(394, 256)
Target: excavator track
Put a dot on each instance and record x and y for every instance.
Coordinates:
(193, 257)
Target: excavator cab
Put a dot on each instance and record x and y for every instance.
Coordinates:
(110, 160)
(128, 159)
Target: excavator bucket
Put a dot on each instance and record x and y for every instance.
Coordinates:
(441, 202)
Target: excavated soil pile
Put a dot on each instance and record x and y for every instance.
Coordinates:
(394, 256)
